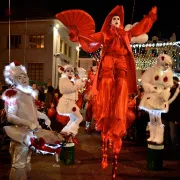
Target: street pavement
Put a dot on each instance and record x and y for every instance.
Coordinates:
(132, 163)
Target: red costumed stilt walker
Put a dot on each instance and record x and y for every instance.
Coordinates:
(116, 77)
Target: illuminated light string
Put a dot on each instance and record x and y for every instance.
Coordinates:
(177, 43)
(146, 54)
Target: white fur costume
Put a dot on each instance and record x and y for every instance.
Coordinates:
(67, 103)
(157, 81)
(22, 113)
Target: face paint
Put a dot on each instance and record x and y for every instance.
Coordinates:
(69, 72)
(22, 79)
(116, 21)
(164, 62)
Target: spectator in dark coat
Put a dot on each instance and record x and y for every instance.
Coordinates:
(171, 118)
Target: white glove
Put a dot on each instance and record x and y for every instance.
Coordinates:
(44, 116)
(48, 122)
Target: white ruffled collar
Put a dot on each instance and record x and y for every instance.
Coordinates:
(28, 90)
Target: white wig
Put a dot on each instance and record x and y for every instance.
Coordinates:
(12, 70)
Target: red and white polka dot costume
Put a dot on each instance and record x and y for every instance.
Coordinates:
(157, 81)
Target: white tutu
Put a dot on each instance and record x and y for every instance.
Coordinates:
(153, 101)
(65, 106)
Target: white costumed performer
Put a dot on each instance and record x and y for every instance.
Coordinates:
(22, 113)
(157, 81)
(68, 87)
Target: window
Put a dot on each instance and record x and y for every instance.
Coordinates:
(65, 49)
(15, 41)
(70, 51)
(61, 45)
(36, 41)
(35, 71)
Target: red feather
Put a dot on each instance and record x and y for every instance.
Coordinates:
(10, 93)
(17, 63)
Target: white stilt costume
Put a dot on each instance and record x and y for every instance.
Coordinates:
(68, 87)
(157, 81)
(21, 111)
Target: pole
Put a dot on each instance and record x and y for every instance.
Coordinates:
(9, 31)
(134, 2)
(25, 41)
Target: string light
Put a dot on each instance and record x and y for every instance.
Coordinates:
(146, 54)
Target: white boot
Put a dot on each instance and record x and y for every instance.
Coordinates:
(66, 128)
(159, 134)
(87, 125)
(73, 128)
(152, 131)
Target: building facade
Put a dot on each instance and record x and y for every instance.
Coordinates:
(40, 45)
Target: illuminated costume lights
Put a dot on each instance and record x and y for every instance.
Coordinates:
(68, 87)
(157, 81)
(25, 130)
(116, 77)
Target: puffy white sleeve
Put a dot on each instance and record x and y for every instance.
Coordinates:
(146, 80)
(66, 86)
(11, 107)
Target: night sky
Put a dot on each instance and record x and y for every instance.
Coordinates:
(168, 15)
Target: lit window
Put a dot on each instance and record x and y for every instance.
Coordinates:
(36, 41)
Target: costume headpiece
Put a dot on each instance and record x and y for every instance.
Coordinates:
(12, 70)
(62, 69)
(163, 59)
(117, 11)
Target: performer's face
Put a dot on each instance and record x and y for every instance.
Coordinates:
(167, 65)
(69, 72)
(22, 79)
(116, 21)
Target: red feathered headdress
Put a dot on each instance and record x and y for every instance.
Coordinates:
(117, 11)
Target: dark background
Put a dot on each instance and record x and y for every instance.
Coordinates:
(168, 11)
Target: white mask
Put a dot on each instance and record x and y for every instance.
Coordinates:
(22, 79)
(164, 62)
(116, 21)
(69, 72)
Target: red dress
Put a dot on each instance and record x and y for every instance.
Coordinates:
(116, 77)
